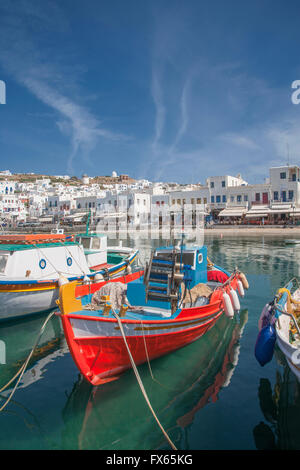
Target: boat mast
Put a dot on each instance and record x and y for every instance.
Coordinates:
(88, 223)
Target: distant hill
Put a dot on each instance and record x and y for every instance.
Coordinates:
(74, 180)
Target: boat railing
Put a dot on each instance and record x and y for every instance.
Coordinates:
(284, 312)
(236, 271)
(294, 280)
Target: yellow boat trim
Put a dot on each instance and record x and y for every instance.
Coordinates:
(67, 301)
(35, 289)
(123, 267)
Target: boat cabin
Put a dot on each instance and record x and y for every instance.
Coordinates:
(41, 262)
(166, 273)
(95, 248)
(193, 259)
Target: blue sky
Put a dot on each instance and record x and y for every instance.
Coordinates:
(167, 90)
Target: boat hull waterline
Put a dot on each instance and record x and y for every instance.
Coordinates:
(110, 364)
(99, 350)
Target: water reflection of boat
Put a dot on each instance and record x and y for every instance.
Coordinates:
(18, 337)
(281, 410)
(114, 416)
(292, 241)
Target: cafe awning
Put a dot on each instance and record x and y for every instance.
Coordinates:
(280, 209)
(256, 212)
(233, 212)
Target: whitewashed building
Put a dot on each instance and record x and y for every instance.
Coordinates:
(7, 187)
(12, 207)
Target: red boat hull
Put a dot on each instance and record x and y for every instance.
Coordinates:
(100, 353)
(98, 348)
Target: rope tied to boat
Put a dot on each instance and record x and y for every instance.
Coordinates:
(22, 369)
(139, 380)
(149, 365)
(71, 255)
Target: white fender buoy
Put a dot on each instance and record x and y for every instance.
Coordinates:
(240, 288)
(235, 300)
(228, 305)
(128, 269)
(98, 277)
(244, 280)
(265, 316)
(86, 279)
(62, 280)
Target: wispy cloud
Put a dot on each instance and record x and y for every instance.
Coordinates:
(184, 114)
(160, 111)
(239, 140)
(47, 81)
(76, 121)
(226, 116)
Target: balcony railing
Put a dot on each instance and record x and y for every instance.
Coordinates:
(282, 201)
(291, 180)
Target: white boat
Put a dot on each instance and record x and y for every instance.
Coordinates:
(292, 241)
(33, 266)
(98, 254)
(287, 310)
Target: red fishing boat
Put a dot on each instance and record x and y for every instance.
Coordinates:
(175, 301)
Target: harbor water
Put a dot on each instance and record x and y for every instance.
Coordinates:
(212, 394)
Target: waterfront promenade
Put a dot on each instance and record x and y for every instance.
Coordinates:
(289, 231)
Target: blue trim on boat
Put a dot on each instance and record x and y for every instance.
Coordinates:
(223, 270)
(74, 278)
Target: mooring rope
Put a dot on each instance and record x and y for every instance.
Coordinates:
(140, 381)
(149, 365)
(23, 368)
(81, 269)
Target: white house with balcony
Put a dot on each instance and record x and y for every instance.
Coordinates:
(59, 204)
(197, 196)
(7, 187)
(12, 207)
(86, 203)
(276, 200)
(131, 206)
(219, 191)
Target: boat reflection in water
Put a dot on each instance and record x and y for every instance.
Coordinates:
(19, 337)
(281, 410)
(115, 416)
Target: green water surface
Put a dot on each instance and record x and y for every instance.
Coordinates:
(211, 394)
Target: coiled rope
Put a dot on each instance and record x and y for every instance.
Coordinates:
(22, 369)
(283, 290)
(140, 380)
